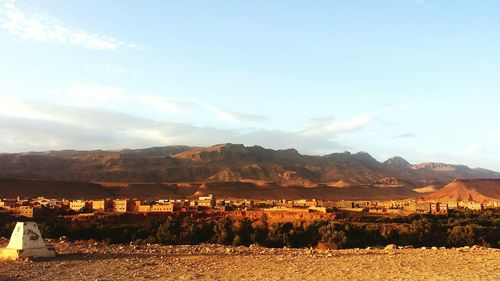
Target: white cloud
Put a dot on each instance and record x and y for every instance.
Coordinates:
(475, 149)
(230, 116)
(39, 27)
(329, 128)
(106, 97)
(403, 136)
(36, 125)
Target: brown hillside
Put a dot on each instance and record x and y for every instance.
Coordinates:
(426, 189)
(233, 164)
(464, 190)
(52, 189)
(151, 191)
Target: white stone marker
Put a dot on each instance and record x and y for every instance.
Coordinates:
(26, 242)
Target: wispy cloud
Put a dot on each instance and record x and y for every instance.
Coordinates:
(94, 96)
(40, 27)
(180, 105)
(475, 149)
(101, 96)
(35, 125)
(230, 115)
(403, 136)
(169, 104)
(329, 128)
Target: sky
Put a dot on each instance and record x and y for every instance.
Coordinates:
(414, 78)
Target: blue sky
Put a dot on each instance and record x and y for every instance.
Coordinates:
(419, 79)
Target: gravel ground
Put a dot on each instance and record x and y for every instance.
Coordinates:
(91, 261)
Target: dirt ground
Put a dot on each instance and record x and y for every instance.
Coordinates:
(92, 261)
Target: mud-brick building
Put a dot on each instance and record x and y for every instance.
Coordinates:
(123, 206)
(102, 205)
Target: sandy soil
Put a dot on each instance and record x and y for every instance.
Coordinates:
(88, 261)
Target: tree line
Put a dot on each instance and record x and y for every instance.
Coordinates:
(452, 230)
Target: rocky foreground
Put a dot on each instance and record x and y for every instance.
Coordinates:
(93, 261)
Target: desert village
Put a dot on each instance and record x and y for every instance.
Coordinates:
(33, 207)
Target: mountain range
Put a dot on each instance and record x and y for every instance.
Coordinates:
(231, 170)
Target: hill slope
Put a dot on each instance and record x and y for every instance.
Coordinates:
(155, 191)
(227, 170)
(226, 162)
(468, 190)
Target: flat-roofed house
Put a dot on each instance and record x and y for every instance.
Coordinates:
(26, 211)
(162, 208)
(80, 206)
(102, 205)
(424, 207)
(206, 201)
(123, 206)
(144, 208)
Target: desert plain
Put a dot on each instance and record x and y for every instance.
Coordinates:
(87, 260)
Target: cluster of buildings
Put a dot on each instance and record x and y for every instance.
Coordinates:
(35, 206)
(406, 207)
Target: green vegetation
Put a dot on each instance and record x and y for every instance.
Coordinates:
(452, 230)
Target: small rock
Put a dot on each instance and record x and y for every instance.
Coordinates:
(390, 247)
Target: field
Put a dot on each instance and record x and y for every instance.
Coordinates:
(93, 261)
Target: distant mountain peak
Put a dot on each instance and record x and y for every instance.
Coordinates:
(397, 161)
(228, 162)
(347, 157)
(218, 151)
(226, 146)
(291, 151)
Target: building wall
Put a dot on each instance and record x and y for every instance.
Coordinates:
(26, 211)
(167, 208)
(122, 206)
(144, 209)
(101, 205)
(79, 206)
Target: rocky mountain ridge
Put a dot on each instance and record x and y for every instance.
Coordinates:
(227, 163)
